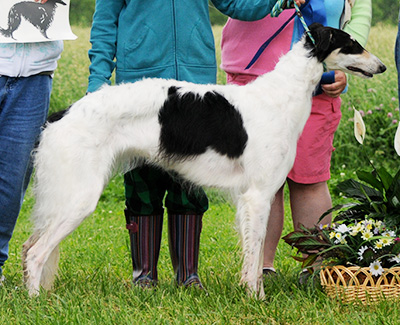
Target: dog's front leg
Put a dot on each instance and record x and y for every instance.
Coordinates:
(253, 209)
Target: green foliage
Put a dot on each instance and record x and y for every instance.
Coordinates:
(81, 12)
(216, 17)
(385, 11)
(377, 99)
(378, 195)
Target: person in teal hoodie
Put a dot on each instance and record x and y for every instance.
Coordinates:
(163, 39)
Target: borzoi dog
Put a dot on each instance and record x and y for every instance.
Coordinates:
(239, 138)
(39, 15)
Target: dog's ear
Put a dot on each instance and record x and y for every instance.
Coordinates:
(323, 39)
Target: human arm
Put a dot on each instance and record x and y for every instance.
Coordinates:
(103, 37)
(359, 27)
(247, 10)
(360, 23)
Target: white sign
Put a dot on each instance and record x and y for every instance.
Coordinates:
(24, 21)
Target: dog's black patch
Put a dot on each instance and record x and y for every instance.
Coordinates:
(54, 117)
(191, 123)
(328, 39)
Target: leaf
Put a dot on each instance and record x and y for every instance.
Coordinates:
(309, 261)
(299, 258)
(396, 248)
(294, 237)
(335, 208)
(369, 255)
(370, 178)
(308, 240)
(385, 177)
(311, 244)
(357, 212)
(393, 193)
(392, 220)
(357, 190)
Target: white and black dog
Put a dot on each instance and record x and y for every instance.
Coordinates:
(239, 138)
(39, 15)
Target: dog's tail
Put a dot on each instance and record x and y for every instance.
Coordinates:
(6, 32)
(14, 20)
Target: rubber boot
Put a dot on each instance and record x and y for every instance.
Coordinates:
(184, 241)
(145, 236)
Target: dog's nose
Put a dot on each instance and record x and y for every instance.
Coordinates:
(382, 68)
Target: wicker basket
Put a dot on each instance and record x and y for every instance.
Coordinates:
(357, 284)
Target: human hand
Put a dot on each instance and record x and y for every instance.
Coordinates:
(336, 88)
(41, 1)
(298, 3)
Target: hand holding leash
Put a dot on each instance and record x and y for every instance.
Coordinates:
(336, 88)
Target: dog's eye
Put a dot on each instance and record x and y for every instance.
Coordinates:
(352, 47)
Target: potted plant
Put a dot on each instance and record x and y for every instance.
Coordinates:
(358, 256)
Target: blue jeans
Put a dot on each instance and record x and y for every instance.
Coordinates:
(24, 104)
(397, 56)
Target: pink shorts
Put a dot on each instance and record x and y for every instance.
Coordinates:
(315, 145)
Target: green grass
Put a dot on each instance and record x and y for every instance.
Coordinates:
(93, 286)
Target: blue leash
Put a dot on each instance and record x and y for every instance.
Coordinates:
(275, 12)
(303, 22)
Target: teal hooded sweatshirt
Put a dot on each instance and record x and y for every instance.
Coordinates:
(160, 38)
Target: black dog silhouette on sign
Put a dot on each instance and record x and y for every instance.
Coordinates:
(39, 15)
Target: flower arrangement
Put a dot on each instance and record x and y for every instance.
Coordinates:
(365, 233)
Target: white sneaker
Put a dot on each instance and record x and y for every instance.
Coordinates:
(2, 278)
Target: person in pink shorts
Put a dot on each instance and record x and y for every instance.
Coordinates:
(307, 181)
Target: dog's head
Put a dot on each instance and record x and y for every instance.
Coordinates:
(339, 51)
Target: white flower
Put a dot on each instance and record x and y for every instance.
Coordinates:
(356, 229)
(359, 128)
(386, 241)
(389, 233)
(397, 140)
(342, 228)
(366, 235)
(395, 259)
(379, 244)
(376, 268)
(361, 252)
(339, 238)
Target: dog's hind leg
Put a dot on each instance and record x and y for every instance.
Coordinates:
(44, 32)
(253, 208)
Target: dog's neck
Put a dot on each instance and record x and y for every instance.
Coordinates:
(300, 68)
(295, 78)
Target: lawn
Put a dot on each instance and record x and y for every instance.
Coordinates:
(94, 282)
